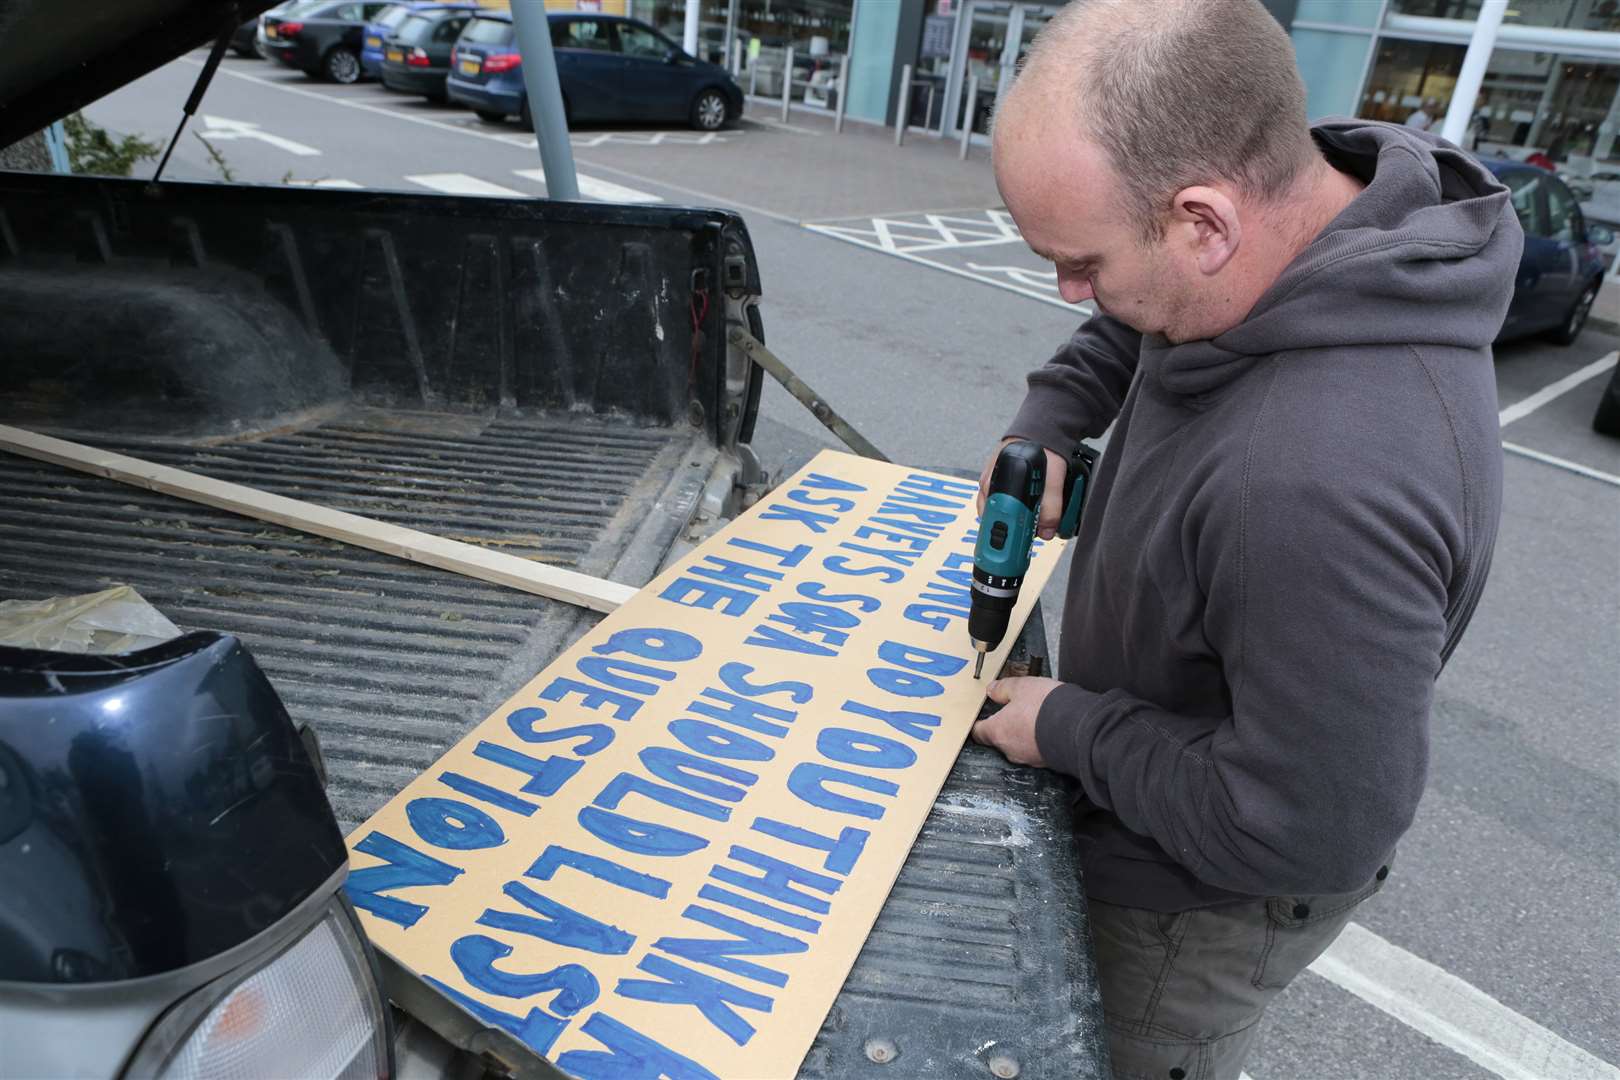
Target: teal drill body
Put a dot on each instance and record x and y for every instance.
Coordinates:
(1012, 507)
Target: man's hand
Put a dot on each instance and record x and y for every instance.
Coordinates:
(1012, 729)
(1051, 499)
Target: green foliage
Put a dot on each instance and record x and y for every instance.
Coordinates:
(217, 158)
(91, 150)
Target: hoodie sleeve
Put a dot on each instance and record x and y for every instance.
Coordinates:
(1077, 393)
(1325, 572)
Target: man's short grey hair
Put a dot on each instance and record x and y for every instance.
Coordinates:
(1179, 93)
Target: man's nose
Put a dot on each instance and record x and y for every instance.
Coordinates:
(1074, 289)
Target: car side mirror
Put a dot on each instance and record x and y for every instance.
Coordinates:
(1601, 235)
(674, 56)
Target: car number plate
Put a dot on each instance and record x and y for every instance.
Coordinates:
(373, 42)
(395, 55)
(471, 65)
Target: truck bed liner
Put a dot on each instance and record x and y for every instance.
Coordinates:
(389, 661)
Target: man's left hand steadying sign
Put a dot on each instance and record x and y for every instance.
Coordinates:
(1012, 729)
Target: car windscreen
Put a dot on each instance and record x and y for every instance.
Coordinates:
(391, 17)
(308, 7)
(414, 29)
(488, 32)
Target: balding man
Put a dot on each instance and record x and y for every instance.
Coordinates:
(1294, 517)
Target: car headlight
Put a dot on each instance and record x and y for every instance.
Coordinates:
(313, 1010)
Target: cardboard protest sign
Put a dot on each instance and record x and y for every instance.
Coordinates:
(663, 854)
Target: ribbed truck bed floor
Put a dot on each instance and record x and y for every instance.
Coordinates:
(389, 661)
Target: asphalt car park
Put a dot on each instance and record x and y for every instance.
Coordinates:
(896, 286)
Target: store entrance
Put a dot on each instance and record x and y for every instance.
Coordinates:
(991, 38)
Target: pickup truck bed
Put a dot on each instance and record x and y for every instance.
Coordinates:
(389, 661)
(549, 378)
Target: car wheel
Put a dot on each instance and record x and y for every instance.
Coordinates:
(246, 52)
(1575, 321)
(709, 110)
(341, 66)
(1606, 421)
(489, 116)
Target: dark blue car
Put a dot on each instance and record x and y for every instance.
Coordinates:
(385, 23)
(1561, 270)
(610, 68)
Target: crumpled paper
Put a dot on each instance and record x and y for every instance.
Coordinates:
(114, 620)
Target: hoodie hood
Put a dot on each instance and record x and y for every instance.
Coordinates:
(1425, 255)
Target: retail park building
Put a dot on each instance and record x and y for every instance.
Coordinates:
(1552, 81)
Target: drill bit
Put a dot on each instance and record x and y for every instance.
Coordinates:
(978, 666)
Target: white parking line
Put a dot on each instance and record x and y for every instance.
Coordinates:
(1520, 409)
(593, 187)
(702, 196)
(881, 235)
(1452, 1012)
(1562, 463)
(461, 184)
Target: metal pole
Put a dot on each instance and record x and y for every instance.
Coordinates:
(1472, 75)
(753, 76)
(736, 58)
(545, 98)
(689, 40)
(967, 117)
(843, 94)
(928, 107)
(787, 82)
(902, 108)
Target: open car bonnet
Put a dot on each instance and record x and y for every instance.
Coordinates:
(59, 55)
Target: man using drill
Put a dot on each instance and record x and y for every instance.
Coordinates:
(1294, 517)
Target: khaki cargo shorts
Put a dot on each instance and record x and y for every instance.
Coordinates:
(1183, 994)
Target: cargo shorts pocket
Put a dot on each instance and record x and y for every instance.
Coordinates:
(1300, 928)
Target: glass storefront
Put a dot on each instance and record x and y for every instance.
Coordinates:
(817, 31)
(1529, 102)
(1574, 14)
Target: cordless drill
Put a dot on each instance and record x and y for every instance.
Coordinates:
(1012, 507)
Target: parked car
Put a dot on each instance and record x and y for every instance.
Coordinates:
(321, 39)
(242, 39)
(486, 71)
(416, 58)
(383, 26)
(260, 46)
(610, 68)
(1561, 269)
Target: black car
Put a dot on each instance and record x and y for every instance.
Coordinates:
(416, 58)
(242, 39)
(321, 38)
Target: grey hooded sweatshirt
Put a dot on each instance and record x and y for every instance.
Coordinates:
(1286, 536)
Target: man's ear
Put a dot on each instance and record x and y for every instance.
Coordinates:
(1210, 222)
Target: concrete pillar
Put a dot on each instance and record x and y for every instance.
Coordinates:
(1475, 60)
